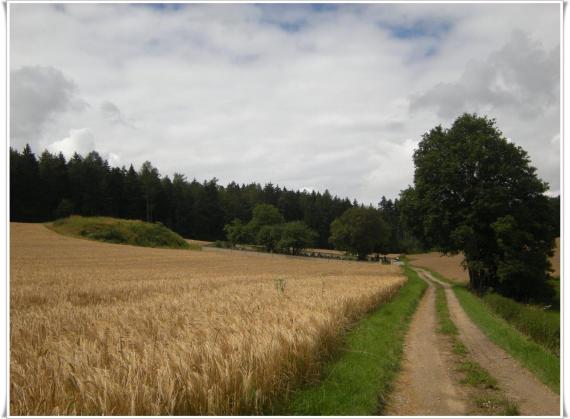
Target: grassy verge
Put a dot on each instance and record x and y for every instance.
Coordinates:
(488, 398)
(541, 326)
(112, 230)
(537, 359)
(361, 376)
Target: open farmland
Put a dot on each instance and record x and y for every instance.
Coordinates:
(119, 330)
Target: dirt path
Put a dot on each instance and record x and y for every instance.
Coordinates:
(533, 397)
(425, 385)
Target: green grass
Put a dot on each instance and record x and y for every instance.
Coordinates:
(112, 230)
(475, 375)
(446, 325)
(536, 358)
(541, 326)
(359, 379)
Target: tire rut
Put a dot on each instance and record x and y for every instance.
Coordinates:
(532, 397)
(425, 385)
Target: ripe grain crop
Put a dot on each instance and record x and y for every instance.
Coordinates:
(109, 329)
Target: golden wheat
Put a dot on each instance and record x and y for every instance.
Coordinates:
(120, 330)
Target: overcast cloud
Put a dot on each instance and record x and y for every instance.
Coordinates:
(305, 96)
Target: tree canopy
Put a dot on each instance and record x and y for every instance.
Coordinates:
(360, 231)
(269, 229)
(475, 192)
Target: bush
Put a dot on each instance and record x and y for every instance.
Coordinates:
(541, 326)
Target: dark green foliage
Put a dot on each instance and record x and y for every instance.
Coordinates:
(150, 182)
(541, 326)
(268, 236)
(295, 236)
(113, 230)
(359, 231)
(24, 186)
(554, 204)
(236, 232)
(51, 187)
(267, 228)
(64, 209)
(264, 215)
(475, 192)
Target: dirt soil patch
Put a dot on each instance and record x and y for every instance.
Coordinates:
(448, 266)
(425, 385)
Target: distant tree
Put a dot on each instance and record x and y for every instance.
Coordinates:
(475, 192)
(24, 186)
(64, 209)
(268, 236)
(133, 196)
(150, 182)
(208, 210)
(295, 236)
(263, 215)
(116, 189)
(52, 171)
(237, 233)
(359, 231)
(183, 203)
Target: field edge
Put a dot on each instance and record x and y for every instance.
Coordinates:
(352, 384)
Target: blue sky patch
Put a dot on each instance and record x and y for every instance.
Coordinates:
(418, 29)
(162, 6)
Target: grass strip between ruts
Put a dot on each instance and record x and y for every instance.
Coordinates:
(534, 357)
(358, 381)
(474, 375)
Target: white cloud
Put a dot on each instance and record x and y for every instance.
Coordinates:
(79, 140)
(285, 93)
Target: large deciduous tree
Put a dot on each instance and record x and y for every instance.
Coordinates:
(475, 192)
(359, 231)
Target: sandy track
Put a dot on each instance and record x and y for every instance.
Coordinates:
(532, 397)
(425, 385)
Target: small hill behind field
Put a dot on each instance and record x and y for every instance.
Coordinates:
(112, 230)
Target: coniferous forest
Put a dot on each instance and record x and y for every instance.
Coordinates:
(48, 186)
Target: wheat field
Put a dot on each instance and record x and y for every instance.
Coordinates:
(119, 330)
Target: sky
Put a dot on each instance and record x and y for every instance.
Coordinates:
(306, 96)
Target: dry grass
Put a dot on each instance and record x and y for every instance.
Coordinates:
(119, 330)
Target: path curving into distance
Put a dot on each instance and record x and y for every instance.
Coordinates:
(424, 385)
(532, 397)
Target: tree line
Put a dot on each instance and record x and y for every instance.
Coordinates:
(474, 192)
(49, 186)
